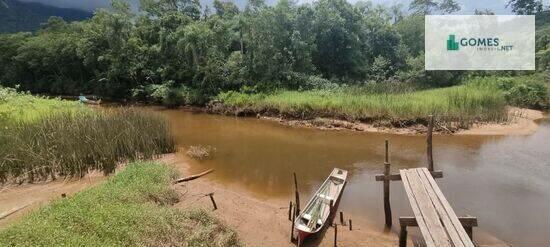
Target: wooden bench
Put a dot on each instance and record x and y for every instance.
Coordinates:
(433, 214)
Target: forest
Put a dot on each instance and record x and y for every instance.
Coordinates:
(177, 52)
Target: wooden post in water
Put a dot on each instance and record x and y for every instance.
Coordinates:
(341, 218)
(387, 206)
(335, 234)
(290, 210)
(350, 228)
(470, 232)
(297, 206)
(403, 236)
(292, 226)
(429, 142)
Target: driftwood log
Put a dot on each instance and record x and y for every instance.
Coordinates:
(192, 177)
(13, 211)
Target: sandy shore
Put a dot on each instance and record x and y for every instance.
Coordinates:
(258, 223)
(19, 200)
(265, 223)
(522, 122)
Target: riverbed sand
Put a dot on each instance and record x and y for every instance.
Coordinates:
(522, 122)
(19, 200)
(265, 223)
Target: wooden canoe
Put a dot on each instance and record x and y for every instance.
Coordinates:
(85, 100)
(317, 212)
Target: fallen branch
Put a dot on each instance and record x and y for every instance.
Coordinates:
(13, 211)
(192, 177)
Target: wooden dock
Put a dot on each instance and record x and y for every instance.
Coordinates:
(433, 214)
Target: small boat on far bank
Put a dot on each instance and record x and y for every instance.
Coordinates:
(317, 212)
(85, 100)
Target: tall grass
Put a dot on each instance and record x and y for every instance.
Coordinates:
(453, 103)
(71, 143)
(128, 210)
(23, 107)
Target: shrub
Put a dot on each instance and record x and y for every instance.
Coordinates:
(523, 91)
(533, 95)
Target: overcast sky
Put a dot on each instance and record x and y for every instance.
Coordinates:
(468, 6)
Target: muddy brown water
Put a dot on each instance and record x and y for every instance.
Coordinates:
(503, 180)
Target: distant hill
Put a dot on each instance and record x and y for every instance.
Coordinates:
(16, 16)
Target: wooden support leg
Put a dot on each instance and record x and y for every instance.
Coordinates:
(297, 206)
(387, 206)
(292, 227)
(403, 236)
(330, 211)
(429, 143)
(290, 211)
(335, 235)
(470, 232)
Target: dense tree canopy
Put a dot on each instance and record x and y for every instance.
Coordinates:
(178, 44)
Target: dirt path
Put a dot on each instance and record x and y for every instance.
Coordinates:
(265, 223)
(18, 200)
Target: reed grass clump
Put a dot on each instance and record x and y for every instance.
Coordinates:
(200, 152)
(456, 103)
(72, 143)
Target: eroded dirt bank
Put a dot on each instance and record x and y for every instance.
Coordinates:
(521, 121)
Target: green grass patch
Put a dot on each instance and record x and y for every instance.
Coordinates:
(130, 209)
(458, 102)
(18, 107)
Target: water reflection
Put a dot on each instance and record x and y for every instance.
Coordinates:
(504, 181)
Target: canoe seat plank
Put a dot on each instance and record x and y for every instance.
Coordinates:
(436, 219)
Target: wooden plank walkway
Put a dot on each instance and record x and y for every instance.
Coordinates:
(434, 216)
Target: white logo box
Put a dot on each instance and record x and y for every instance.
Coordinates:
(515, 35)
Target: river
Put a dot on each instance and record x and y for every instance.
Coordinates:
(503, 180)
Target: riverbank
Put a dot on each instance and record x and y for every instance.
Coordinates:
(521, 122)
(265, 222)
(19, 200)
(257, 222)
(518, 121)
(133, 207)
